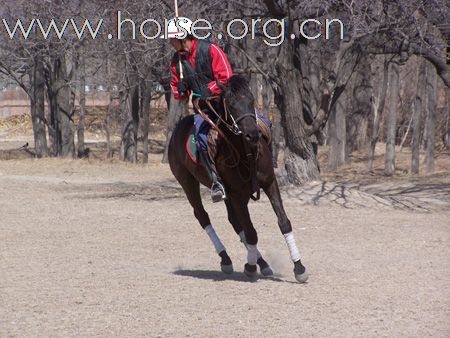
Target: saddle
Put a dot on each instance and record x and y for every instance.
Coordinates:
(264, 125)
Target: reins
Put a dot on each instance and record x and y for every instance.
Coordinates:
(219, 131)
(234, 128)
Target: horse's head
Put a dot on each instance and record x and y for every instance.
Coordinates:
(239, 108)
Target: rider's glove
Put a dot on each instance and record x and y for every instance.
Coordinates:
(182, 88)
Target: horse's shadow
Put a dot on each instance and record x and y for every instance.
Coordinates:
(219, 276)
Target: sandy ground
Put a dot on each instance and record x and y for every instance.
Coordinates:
(92, 249)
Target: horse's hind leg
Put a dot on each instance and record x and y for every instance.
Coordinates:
(192, 189)
(273, 192)
(263, 265)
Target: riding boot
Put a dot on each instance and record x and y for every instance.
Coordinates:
(217, 189)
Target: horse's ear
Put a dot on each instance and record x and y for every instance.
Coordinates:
(220, 85)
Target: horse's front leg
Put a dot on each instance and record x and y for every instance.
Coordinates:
(192, 189)
(273, 192)
(242, 216)
(263, 265)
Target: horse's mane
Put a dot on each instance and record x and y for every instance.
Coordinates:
(236, 85)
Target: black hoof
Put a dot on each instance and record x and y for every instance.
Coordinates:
(228, 269)
(225, 263)
(250, 270)
(225, 259)
(300, 272)
(264, 267)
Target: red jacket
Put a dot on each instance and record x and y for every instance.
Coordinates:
(220, 67)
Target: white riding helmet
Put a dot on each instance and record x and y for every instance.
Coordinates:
(174, 31)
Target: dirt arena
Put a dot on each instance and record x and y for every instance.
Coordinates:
(107, 249)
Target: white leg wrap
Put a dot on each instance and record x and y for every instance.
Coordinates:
(213, 236)
(252, 254)
(293, 250)
(244, 241)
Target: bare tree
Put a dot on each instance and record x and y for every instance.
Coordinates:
(146, 92)
(378, 101)
(129, 106)
(431, 90)
(22, 61)
(391, 119)
(417, 118)
(447, 129)
(81, 72)
(359, 108)
(337, 134)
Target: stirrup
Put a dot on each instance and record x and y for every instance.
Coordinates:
(218, 192)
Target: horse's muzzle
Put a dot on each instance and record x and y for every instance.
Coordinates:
(253, 137)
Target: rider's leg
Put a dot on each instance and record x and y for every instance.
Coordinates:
(201, 137)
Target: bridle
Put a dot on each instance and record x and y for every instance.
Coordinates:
(233, 126)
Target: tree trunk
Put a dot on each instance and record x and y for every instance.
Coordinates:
(146, 91)
(64, 109)
(406, 134)
(377, 111)
(447, 133)
(274, 116)
(38, 108)
(54, 133)
(107, 126)
(250, 47)
(358, 107)
(300, 160)
(80, 130)
(417, 118)
(108, 117)
(177, 110)
(167, 95)
(135, 109)
(337, 134)
(266, 95)
(128, 145)
(431, 90)
(391, 121)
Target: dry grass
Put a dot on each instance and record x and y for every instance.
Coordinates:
(356, 169)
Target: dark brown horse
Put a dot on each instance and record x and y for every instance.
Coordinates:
(244, 162)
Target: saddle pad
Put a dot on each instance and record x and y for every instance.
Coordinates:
(265, 125)
(191, 147)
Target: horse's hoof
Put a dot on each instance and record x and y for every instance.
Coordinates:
(302, 278)
(267, 271)
(250, 270)
(300, 272)
(228, 269)
(264, 267)
(225, 264)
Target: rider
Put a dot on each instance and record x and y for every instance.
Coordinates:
(203, 63)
